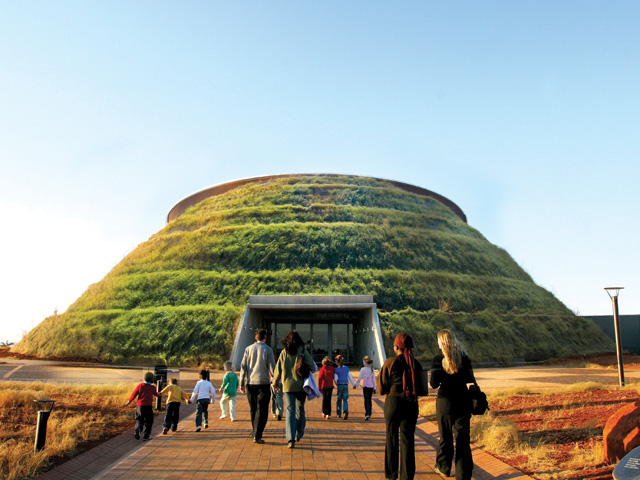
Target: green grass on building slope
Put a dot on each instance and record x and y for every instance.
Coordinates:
(179, 296)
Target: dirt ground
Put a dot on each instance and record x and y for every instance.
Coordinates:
(606, 360)
(570, 422)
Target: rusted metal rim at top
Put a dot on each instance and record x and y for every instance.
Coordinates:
(198, 197)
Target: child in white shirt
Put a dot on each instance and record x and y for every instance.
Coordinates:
(368, 377)
(204, 394)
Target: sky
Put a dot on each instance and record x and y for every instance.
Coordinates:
(525, 114)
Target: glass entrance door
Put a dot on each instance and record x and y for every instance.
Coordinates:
(316, 338)
(342, 341)
(321, 339)
(281, 330)
(320, 342)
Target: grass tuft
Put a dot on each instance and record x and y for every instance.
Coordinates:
(586, 387)
(510, 392)
(427, 408)
(494, 434)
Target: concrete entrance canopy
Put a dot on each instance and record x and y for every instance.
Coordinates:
(329, 324)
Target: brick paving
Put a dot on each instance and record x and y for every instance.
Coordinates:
(330, 450)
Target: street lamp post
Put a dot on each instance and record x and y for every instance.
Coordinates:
(613, 293)
(44, 408)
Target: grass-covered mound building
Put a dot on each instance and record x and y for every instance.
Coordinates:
(180, 295)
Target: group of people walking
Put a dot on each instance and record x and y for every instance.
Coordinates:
(401, 378)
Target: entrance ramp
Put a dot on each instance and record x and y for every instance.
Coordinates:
(347, 325)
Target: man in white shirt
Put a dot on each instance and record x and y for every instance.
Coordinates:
(258, 364)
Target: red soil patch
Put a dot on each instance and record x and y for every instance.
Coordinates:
(567, 421)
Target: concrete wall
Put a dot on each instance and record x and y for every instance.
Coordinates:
(368, 339)
(629, 330)
(244, 336)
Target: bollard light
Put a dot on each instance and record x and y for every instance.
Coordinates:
(44, 408)
(159, 387)
(613, 293)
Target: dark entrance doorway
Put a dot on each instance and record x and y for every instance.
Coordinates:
(331, 325)
(326, 334)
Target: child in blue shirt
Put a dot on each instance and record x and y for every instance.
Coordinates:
(342, 377)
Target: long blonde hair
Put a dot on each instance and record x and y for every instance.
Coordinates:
(452, 351)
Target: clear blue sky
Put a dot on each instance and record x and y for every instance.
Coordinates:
(526, 114)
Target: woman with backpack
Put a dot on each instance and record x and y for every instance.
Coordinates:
(294, 365)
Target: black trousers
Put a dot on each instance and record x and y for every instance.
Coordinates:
(144, 418)
(259, 397)
(367, 393)
(326, 400)
(400, 417)
(453, 422)
(172, 415)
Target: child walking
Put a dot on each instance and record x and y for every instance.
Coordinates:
(175, 396)
(203, 394)
(368, 377)
(325, 384)
(144, 406)
(228, 389)
(342, 377)
(277, 401)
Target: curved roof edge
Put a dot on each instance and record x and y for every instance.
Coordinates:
(180, 207)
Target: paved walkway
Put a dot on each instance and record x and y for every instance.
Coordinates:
(334, 449)
(331, 450)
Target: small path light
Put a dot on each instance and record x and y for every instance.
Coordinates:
(613, 293)
(44, 408)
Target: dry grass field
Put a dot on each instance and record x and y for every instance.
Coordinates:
(551, 435)
(83, 416)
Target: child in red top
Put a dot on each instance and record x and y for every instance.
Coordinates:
(325, 384)
(144, 406)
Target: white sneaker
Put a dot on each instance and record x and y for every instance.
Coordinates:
(222, 417)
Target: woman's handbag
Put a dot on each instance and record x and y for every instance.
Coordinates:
(479, 404)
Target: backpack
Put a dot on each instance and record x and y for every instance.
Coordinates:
(302, 369)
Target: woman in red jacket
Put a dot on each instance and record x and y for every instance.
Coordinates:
(325, 384)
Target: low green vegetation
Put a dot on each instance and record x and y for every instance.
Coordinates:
(501, 338)
(179, 295)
